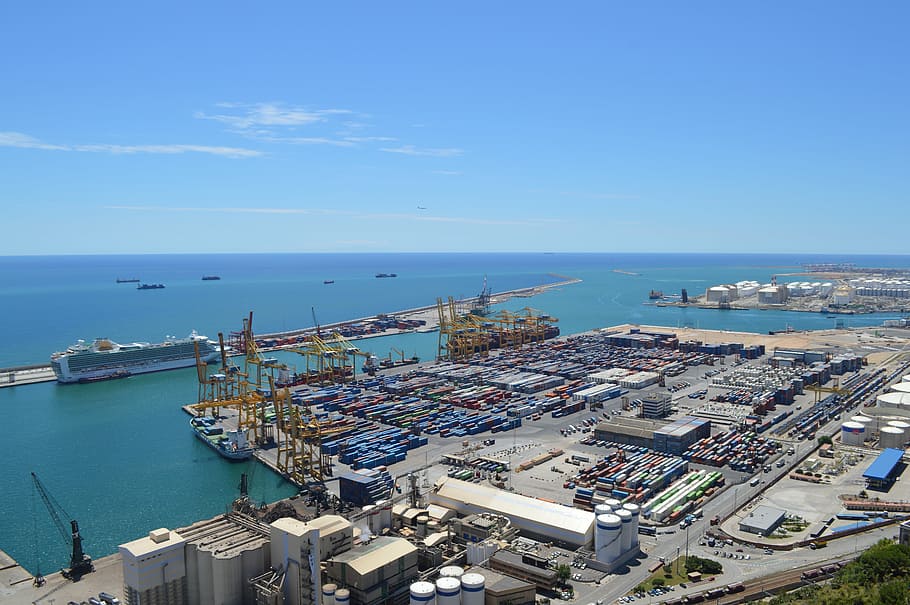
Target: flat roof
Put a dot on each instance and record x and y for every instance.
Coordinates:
(763, 518)
(378, 553)
(499, 583)
(882, 467)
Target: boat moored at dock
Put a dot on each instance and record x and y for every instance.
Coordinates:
(105, 359)
(231, 444)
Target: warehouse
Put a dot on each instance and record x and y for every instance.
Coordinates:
(512, 564)
(532, 517)
(763, 520)
(627, 431)
(380, 572)
(883, 471)
(676, 437)
(501, 589)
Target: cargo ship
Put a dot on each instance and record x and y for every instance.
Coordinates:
(211, 277)
(232, 445)
(386, 275)
(149, 286)
(328, 281)
(130, 280)
(105, 359)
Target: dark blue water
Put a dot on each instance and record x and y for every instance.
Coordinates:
(119, 456)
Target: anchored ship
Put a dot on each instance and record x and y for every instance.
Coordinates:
(149, 286)
(105, 359)
(232, 445)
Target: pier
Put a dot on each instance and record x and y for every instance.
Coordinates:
(21, 375)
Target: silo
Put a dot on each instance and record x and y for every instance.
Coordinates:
(422, 593)
(899, 401)
(451, 571)
(448, 591)
(608, 530)
(892, 436)
(900, 387)
(625, 542)
(634, 509)
(602, 509)
(853, 433)
(422, 521)
(342, 596)
(328, 594)
(472, 589)
(613, 503)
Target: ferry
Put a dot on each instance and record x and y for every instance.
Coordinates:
(232, 445)
(105, 359)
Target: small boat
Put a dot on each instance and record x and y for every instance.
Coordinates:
(386, 275)
(130, 280)
(103, 377)
(229, 444)
(210, 278)
(329, 281)
(655, 294)
(149, 286)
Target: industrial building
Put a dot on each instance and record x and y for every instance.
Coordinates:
(503, 589)
(762, 520)
(154, 569)
(376, 573)
(656, 405)
(336, 534)
(512, 564)
(626, 431)
(295, 554)
(532, 517)
(675, 438)
(885, 469)
(477, 528)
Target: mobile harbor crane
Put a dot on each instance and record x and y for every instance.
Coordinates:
(80, 563)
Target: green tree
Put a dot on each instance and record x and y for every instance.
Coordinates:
(893, 593)
(658, 582)
(823, 439)
(563, 573)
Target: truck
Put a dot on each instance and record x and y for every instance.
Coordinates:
(755, 481)
(715, 520)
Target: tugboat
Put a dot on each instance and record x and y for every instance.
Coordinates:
(149, 286)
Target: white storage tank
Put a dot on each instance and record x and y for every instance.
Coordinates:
(448, 591)
(892, 436)
(473, 589)
(328, 594)
(608, 528)
(635, 510)
(602, 509)
(613, 503)
(853, 433)
(625, 542)
(863, 419)
(385, 514)
(900, 387)
(422, 593)
(899, 401)
(451, 571)
(342, 596)
(900, 424)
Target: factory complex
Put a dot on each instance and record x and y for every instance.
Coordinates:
(538, 471)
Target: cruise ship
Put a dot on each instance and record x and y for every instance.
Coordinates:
(106, 359)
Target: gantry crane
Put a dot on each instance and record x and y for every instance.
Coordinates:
(835, 388)
(80, 563)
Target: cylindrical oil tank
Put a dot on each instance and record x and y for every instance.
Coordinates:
(608, 528)
(853, 433)
(473, 589)
(451, 571)
(613, 503)
(900, 401)
(625, 541)
(422, 521)
(900, 387)
(892, 436)
(860, 418)
(602, 509)
(448, 591)
(900, 424)
(422, 593)
(328, 594)
(635, 510)
(342, 596)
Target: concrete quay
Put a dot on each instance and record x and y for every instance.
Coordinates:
(11, 377)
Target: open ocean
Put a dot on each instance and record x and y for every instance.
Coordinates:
(119, 456)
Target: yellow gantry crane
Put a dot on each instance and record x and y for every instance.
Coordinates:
(835, 388)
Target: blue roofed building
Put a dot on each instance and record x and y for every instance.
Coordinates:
(884, 470)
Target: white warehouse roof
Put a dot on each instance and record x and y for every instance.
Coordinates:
(555, 521)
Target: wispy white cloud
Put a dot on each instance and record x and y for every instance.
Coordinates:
(446, 152)
(268, 114)
(370, 139)
(306, 140)
(372, 216)
(24, 141)
(448, 172)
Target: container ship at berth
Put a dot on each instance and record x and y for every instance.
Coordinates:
(105, 359)
(230, 444)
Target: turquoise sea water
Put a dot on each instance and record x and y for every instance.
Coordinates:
(119, 456)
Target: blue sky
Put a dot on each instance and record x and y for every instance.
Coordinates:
(470, 126)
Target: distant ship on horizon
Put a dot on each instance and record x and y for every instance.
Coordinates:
(129, 280)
